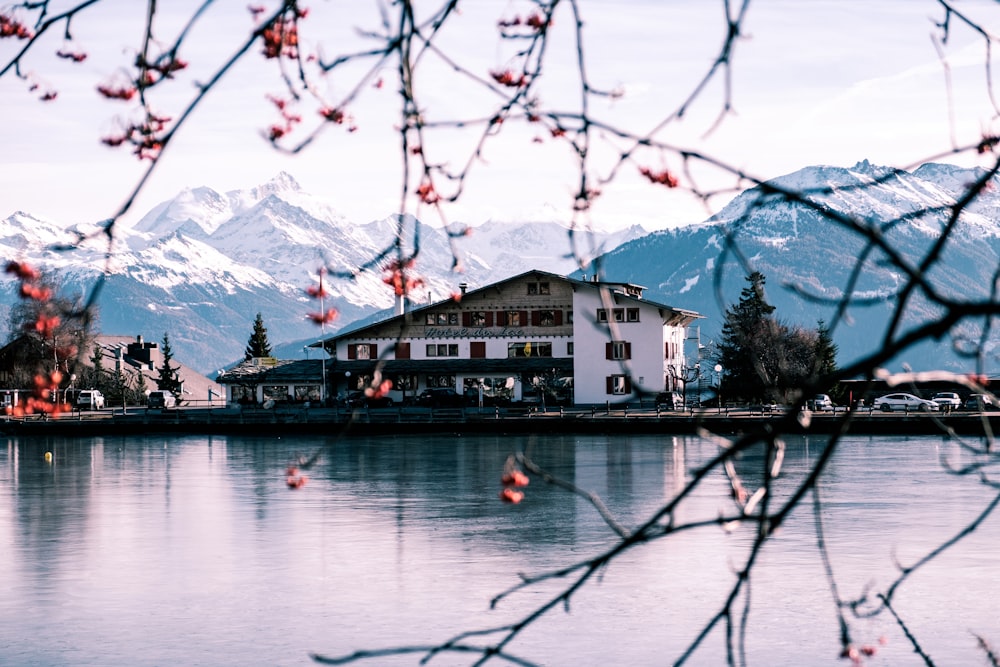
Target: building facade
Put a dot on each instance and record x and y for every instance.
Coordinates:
(536, 337)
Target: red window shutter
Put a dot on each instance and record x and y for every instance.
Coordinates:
(610, 384)
(489, 318)
(466, 319)
(477, 349)
(501, 318)
(666, 350)
(628, 384)
(609, 350)
(536, 318)
(628, 350)
(372, 351)
(558, 319)
(524, 317)
(352, 351)
(402, 350)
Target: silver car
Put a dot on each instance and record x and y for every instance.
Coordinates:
(947, 399)
(891, 402)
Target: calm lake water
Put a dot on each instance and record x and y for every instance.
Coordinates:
(194, 551)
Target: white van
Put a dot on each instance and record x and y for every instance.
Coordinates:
(161, 399)
(90, 399)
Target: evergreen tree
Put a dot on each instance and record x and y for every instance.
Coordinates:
(258, 346)
(826, 350)
(140, 389)
(746, 346)
(167, 378)
(99, 378)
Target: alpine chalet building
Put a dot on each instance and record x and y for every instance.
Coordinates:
(525, 338)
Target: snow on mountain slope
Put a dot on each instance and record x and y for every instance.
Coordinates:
(800, 250)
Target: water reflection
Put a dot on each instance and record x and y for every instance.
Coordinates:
(151, 551)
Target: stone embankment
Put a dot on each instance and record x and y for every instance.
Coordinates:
(290, 420)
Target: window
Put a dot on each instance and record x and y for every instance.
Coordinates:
(546, 318)
(307, 392)
(632, 314)
(535, 289)
(440, 381)
(618, 385)
(619, 314)
(402, 350)
(276, 392)
(442, 349)
(529, 349)
(602, 315)
(478, 319)
(618, 350)
(442, 318)
(514, 318)
(569, 349)
(404, 382)
(362, 351)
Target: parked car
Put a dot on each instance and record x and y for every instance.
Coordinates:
(443, 397)
(891, 402)
(822, 403)
(90, 399)
(980, 403)
(357, 399)
(161, 399)
(947, 400)
(669, 400)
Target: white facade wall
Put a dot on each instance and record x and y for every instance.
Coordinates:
(655, 348)
(647, 340)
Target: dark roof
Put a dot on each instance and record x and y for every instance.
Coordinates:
(283, 371)
(349, 333)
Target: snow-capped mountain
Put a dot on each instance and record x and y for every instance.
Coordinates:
(808, 259)
(201, 265)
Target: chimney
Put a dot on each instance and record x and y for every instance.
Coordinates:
(463, 287)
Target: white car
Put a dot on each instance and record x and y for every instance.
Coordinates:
(90, 399)
(822, 403)
(891, 402)
(947, 399)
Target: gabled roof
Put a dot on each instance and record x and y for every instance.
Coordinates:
(282, 371)
(681, 316)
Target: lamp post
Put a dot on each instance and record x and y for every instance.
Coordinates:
(718, 384)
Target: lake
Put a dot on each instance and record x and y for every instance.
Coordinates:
(195, 551)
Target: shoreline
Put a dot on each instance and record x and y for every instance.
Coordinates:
(423, 421)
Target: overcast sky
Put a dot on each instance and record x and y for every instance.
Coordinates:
(814, 82)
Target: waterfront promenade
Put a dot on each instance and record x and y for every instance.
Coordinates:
(289, 420)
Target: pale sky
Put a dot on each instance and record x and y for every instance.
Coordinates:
(814, 82)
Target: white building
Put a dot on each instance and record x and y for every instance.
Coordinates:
(534, 337)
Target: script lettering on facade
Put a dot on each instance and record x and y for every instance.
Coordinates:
(466, 332)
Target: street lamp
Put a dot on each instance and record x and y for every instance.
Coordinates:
(718, 384)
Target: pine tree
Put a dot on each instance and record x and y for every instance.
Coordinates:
(98, 380)
(139, 396)
(826, 350)
(746, 349)
(258, 346)
(167, 378)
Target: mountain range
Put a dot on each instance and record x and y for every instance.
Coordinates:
(808, 260)
(201, 265)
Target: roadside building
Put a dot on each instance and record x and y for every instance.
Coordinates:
(128, 363)
(535, 337)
